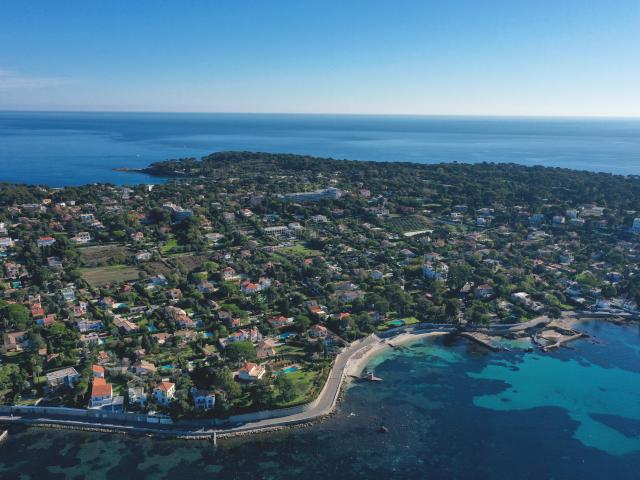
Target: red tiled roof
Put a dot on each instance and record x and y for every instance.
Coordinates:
(164, 386)
(248, 366)
(100, 388)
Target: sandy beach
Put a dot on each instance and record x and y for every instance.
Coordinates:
(361, 358)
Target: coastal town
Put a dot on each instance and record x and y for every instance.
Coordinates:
(233, 284)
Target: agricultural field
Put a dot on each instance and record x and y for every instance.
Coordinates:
(99, 276)
(157, 268)
(189, 263)
(408, 224)
(103, 254)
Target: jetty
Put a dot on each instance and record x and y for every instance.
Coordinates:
(482, 339)
(370, 377)
(506, 330)
(563, 340)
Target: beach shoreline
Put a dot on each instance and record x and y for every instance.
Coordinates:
(356, 368)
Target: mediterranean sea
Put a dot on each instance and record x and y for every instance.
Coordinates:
(452, 410)
(60, 149)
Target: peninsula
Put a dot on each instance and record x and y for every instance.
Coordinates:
(241, 294)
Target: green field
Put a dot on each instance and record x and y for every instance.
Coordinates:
(100, 276)
(300, 251)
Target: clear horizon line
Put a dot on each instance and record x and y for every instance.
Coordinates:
(335, 114)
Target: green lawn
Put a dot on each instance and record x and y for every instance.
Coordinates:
(410, 320)
(290, 350)
(118, 389)
(394, 323)
(169, 245)
(307, 384)
(300, 251)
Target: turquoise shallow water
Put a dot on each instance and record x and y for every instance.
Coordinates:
(453, 411)
(585, 392)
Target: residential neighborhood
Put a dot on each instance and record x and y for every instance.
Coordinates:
(232, 287)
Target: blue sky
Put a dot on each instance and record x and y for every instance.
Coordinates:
(477, 57)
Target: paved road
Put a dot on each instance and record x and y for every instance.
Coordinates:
(325, 402)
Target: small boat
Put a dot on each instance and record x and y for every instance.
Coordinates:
(383, 429)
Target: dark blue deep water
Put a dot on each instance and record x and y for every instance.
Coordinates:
(76, 148)
(452, 411)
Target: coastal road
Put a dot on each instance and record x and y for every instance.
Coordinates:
(326, 400)
(264, 420)
(348, 360)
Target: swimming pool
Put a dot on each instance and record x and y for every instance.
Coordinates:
(284, 336)
(289, 370)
